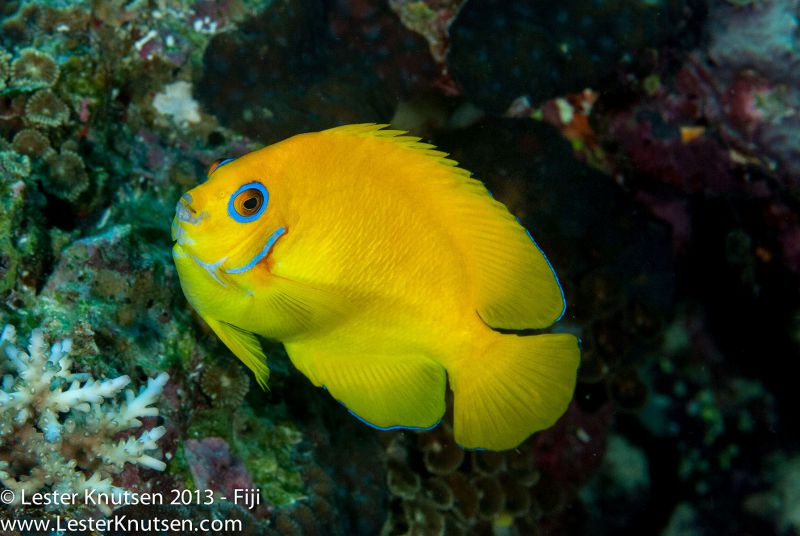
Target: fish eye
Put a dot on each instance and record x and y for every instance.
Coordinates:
(248, 202)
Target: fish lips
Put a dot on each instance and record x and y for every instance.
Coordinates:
(185, 214)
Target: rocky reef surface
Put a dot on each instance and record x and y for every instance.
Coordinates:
(651, 147)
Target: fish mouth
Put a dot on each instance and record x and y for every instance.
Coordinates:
(179, 234)
(185, 213)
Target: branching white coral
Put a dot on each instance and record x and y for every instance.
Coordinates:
(58, 429)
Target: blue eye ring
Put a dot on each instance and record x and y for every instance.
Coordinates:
(239, 211)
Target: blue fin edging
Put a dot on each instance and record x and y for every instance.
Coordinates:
(552, 270)
(381, 428)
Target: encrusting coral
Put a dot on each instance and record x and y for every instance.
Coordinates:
(34, 69)
(5, 66)
(67, 177)
(44, 108)
(437, 488)
(32, 143)
(226, 387)
(52, 19)
(58, 428)
(15, 164)
(442, 455)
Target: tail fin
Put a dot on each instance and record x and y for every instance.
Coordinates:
(520, 385)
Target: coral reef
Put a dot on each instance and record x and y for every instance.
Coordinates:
(748, 80)
(780, 501)
(432, 20)
(455, 492)
(31, 143)
(621, 482)
(113, 294)
(22, 242)
(322, 50)
(60, 429)
(214, 467)
(248, 448)
(176, 102)
(15, 164)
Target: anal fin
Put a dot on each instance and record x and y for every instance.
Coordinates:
(385, 392)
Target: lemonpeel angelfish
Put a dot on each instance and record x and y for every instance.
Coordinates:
(385, 270)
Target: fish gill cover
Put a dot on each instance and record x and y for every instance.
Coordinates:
(650, 147)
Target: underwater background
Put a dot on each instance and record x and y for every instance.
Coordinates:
(652, 148)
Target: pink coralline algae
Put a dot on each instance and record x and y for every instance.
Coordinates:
(214, 467)
(748, 83)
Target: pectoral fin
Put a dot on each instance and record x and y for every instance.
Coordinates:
(300, 308)
(245, 346)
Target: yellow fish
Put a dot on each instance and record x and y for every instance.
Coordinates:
(385, 270)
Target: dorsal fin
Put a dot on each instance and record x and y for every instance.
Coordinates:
(400, 138)
(513, 284)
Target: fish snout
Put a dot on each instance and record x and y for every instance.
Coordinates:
(186, 213)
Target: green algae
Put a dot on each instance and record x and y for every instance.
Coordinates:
(124, 292)
(23, 243)
(179, 467)
(214, 422)
(9, 256)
